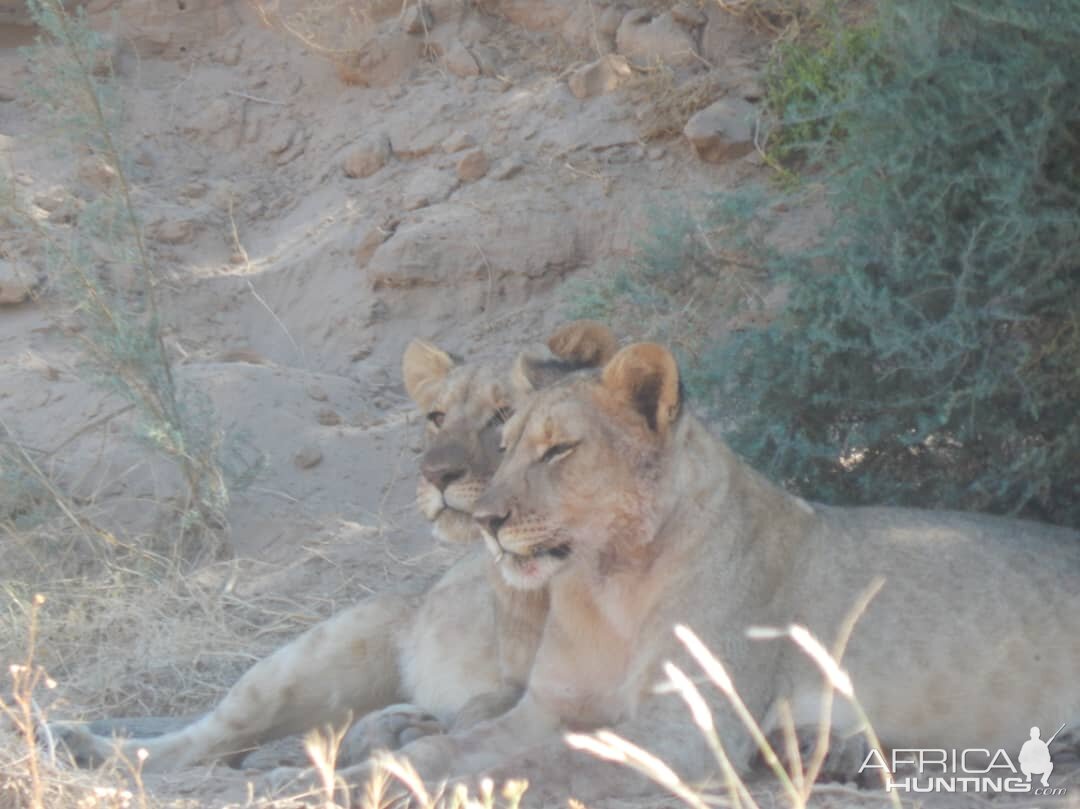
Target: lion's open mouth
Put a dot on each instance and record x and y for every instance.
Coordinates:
(553, 550)
(558, 551)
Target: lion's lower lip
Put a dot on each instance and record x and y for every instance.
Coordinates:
(555, 551)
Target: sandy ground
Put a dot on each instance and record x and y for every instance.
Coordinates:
(306, 228)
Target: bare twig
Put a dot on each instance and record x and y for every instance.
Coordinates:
(258, 99)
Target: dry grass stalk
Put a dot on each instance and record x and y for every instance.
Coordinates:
(796, 781)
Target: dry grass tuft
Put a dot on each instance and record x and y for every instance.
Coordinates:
(791, 20)
(668, 103)
(344, 32)
(776, 18)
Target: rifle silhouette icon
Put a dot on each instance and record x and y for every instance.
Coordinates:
(1051, 739)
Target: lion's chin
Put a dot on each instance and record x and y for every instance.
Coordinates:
(453, 526)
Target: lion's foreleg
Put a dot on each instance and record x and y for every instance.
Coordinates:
(346, 663)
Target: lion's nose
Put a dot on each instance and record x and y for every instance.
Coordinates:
(441, 475)
(491, 523)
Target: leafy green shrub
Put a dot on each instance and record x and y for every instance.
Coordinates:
(929, 350)
(807, 83)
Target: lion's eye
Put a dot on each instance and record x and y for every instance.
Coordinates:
(436, 417)
(500, 417)
(558, 451)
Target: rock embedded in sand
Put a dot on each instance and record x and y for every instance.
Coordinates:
(472, 166)
(52, 199)
(96, 172)
(368, 156)
(648, 37)
(688, 14)
(383, 60)
(507, 168)
(15, 287)
(582, 29)
(722, 131)
(458, 141)
(429, 186)
(173, 231)
(599, 77)
(308, 458)
(460, 62)
(328, 417)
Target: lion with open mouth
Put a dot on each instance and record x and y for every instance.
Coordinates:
(636, 519)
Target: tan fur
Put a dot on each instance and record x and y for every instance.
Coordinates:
(974, 638)
(459, 653)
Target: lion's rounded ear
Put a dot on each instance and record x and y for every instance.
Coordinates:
(646, 377)
(526, 374)
(423, 366)
(585, 343)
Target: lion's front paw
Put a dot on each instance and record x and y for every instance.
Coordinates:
(388, 729)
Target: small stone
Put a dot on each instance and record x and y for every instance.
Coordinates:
(580, 30)
(368, 156)
(687, 15)
(374, 236)
(472, 166)
(173, 231)
(385, 59)
(460, 62)
(656, 152)
(282, 138)
(308, 457)
(96, 172)
(599, 77)
(51, 199)
(507, 168)
(328, 417)
(722, 131)
(649, 37)
(317, 393)
(429, 186)
(458, 141)
(15, 287)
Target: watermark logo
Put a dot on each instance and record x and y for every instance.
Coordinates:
(1035, 757)
(970, 770)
